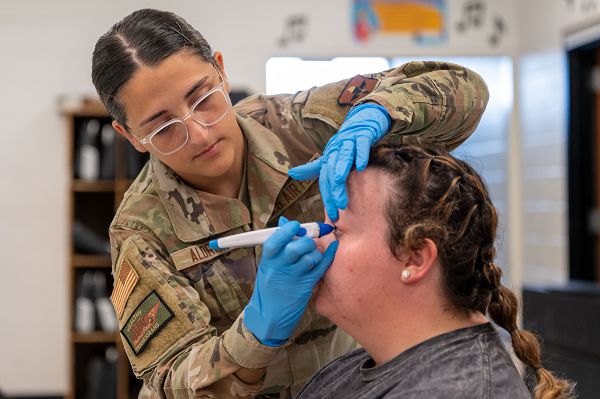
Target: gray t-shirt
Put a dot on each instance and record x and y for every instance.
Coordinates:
(467, 363)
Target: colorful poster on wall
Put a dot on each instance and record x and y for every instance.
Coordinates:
(422, 20)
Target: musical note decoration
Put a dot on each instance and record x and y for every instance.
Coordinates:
(584, 6)
(294, 30)
(474, 17)
(588, 6)
(473, 13)
(494, 38)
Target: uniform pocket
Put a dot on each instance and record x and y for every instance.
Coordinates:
(226, 290)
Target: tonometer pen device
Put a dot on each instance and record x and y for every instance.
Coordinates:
(257, 237)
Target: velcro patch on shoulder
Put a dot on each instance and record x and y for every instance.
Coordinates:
(358, 87)
(151, 315)
(124, 285)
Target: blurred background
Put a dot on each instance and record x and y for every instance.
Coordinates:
(63, 170)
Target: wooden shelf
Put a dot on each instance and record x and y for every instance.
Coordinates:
(81, 106)
(95, 211)
(91, 186)
(99, 186)
(96, 337)
(123, 184)
(91, 261)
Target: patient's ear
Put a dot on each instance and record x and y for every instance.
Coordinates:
(418, 263)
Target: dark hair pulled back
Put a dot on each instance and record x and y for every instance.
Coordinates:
(143, 38)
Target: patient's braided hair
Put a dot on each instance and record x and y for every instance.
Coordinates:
(439, 197)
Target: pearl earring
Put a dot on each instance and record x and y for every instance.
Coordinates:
(405, 274)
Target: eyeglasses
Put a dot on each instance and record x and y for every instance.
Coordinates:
(208, 110)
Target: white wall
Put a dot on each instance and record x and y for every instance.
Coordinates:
(45, 51)
(542, 92)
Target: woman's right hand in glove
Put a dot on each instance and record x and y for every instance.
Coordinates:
(290, 268)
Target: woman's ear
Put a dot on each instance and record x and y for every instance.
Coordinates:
(418, 263)
(218, 61)
(135, 142)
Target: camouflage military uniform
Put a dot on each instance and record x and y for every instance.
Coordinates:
(180, 304)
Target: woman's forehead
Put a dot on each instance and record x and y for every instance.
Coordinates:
(367, 192)
(156, 87)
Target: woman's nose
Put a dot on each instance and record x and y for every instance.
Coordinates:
(198, 133)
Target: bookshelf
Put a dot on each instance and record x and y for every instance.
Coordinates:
(100, 175)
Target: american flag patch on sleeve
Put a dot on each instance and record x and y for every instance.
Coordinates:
(124, 285)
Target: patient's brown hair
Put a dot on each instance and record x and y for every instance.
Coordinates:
(436, 196)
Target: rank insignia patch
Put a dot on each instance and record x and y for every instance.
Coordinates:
(124, 285)
(146, 321)
(358, 87)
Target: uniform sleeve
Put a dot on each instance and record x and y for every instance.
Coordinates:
(430, 103)
(166, 328)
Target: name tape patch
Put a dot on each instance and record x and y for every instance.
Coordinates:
(151, 316)
(124, 285)
(290, 193)
(193, 255)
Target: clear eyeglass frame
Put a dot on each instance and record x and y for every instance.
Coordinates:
(218, 88)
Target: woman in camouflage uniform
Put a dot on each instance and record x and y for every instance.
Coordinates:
(217, 170)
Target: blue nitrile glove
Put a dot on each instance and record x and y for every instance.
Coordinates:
(287, 273)
(364, 125)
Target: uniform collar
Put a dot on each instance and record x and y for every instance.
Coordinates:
(264, 144)
(196, 215)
